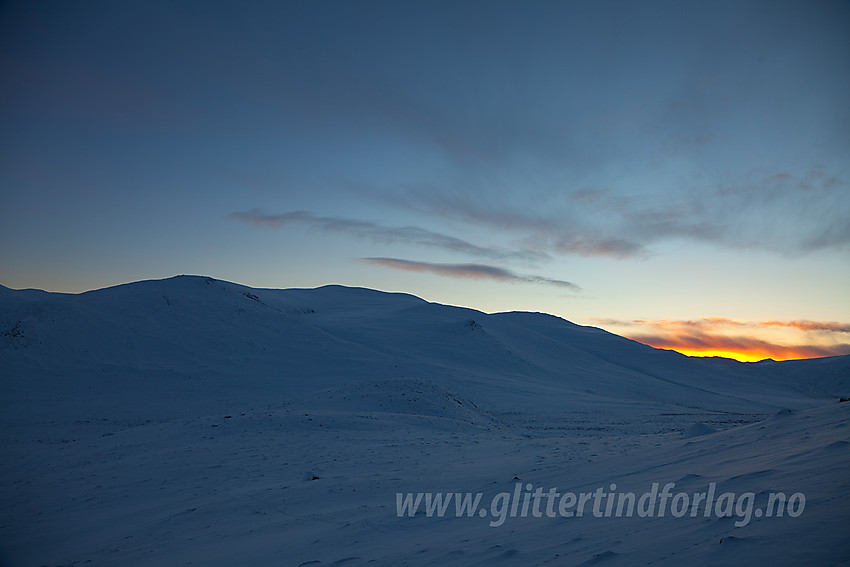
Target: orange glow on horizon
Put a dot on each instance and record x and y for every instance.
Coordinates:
(760, 352)
(756, 346)
(739, 356)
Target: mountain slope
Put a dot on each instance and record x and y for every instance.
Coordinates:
(195, 421)
(188, 334)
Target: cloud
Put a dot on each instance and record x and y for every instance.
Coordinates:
(805, 325)
(384, 234)
(468, 271)
(538, 232)
(701, 323)
(697, 341)
(830, 236)
(629, 218)
(720, 334)
(781, 177)
(716, 323)
(589, 196)
(678, 144)
(595, 246)
(834, 182)
(612, 322)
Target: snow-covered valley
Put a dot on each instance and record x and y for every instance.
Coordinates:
(191, 421)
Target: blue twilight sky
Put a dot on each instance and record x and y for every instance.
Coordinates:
(661, 169)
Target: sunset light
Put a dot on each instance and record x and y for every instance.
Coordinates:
(746, 341)
(739, 356)
(268, 266)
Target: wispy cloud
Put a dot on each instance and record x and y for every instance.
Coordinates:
(573, 244)
(696, 341)
(716, 323)
(468, 271)
(804, 325)
(537, 230)
(781, 177)
(721, 334)
(758, 210)
(701, 323)
(382, 234)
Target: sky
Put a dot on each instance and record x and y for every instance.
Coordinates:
(675, 172)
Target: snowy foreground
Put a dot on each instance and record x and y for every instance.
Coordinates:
(191, 421)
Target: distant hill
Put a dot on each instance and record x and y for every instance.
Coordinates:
(184, 341)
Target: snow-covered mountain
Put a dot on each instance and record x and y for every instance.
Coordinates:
(192, 420)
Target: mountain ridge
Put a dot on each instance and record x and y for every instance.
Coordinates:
(198, 330)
